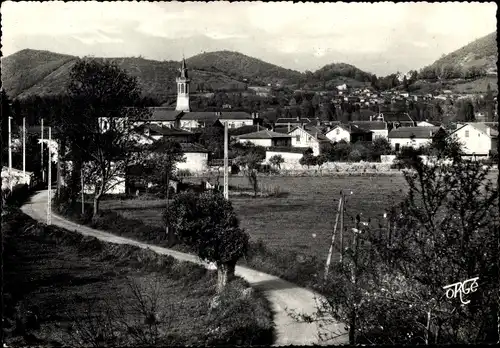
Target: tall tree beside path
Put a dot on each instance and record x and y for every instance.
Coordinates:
(101, 123)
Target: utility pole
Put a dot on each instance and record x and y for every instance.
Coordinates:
(226, 164)
(353, 316)
(41, 152)
(83, 191)
(330, 252)
(24, 149)
(49, 212)
(10, 155)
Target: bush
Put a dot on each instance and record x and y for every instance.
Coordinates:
(355, 156)
(19, 195)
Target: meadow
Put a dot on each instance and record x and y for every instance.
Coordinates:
(301, 219)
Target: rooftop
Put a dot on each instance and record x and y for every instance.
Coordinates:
(164, 114)
(370, 125)
(414, 132)
(263, 134)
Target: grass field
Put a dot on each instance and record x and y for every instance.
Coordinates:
(301, 221)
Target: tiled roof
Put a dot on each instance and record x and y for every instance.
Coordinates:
(164, 114)
(263, 134)
(193, 147)
(370, 125)
(200, 116)
(416, 132)
(166, 131)
(244, 130)
(235, 115)
(314, 132)
(391, 116)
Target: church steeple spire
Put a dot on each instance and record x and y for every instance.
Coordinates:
(183, 88)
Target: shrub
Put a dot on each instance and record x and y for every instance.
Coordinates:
(20, 194)
(355, 156)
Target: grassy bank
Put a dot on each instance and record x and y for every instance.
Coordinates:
(65, 289)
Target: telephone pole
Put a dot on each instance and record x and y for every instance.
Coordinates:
(10, 155)
(24, 149)
(41, 152)
(342, 228)
(49, 178)
(226, 163)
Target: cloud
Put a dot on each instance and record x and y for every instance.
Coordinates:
(316, 32)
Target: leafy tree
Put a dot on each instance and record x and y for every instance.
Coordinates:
(308, 159)
(405, 83)
(101, 124)
(250, 157)
(213, 139)
(489, 103)
(380, 146)
(208, 223)
(276, 161)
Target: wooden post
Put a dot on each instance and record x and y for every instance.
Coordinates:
(342, 228)
(330, 251)
(226, 163)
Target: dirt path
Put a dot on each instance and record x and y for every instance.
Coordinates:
(284, 296)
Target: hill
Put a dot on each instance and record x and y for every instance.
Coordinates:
(481, 53)
(32, 72)
(240, 67)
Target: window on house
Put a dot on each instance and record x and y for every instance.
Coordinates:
(338, 131)
(232, 125)
(297, 138)
(397, 146)
(466, 133)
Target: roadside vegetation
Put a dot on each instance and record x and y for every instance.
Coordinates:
(53, 282)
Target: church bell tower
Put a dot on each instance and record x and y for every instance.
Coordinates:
(183, 89)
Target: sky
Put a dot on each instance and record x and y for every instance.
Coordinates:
(380, 38)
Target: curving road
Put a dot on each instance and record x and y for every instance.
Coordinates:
(284, 296)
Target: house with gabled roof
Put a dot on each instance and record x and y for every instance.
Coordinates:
(477, 138)
(379, 129)
(414, 137)
(309, 137)
(266, 138)
(393, 118)
(349, 133)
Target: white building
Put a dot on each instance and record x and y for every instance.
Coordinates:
(349, 133)
(414, 137)
(266, 138)
(477, 138)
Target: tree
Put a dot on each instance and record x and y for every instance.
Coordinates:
(380, 146)
(208, 223)
(101, 124)
(489, 103)
(213, 139)
(405, 83)
(249, 157)
(308, 159)
(276, 161)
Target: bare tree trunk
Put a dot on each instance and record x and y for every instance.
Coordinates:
(97, 200)
(225, 273)
(428, 327)
(352, 327)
